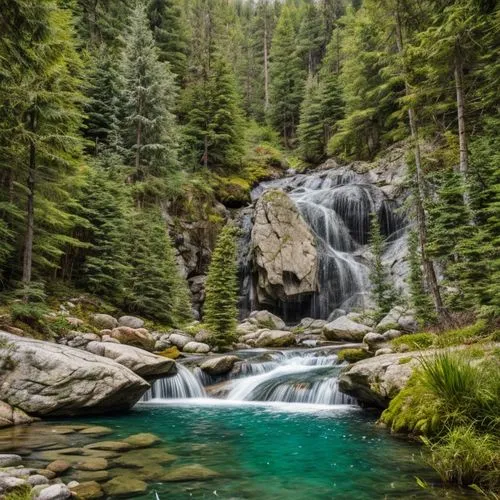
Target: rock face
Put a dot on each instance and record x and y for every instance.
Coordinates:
(344, 328)
(375, 381)
(42, 378)
(145, 364)
(284, 250)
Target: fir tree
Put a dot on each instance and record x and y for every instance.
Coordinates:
(287, 78)
(382, 289)
(220, 309)
(167, 23)
(310, 38)
(150, 133)
(154, 286)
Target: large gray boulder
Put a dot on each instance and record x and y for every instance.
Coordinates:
(144, 363)
(344, 328)
(137, 337)
(275, 338)
(131, 321)
(43, 378)
(180, 339)
(219, 365)
(265, 319)
(196, 348)
(398, 318)
(284, 249)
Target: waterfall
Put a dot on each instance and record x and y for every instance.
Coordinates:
(337, 206)
(182, 385)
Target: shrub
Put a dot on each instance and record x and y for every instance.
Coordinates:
(414, 341)
(467, 457)
(466, 335)
(353, 355)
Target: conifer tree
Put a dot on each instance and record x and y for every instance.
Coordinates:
(382, 289)
(287, 77)
(311, 38)
(154, 286)
(167, 22)
(150, 136)
(220, 309)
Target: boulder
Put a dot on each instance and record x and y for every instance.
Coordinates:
(345, 329)
(373, 340)
(196, 348)
(131, 322)
(336, 313)
(246, 327)
(142, 440)
(104, 321)
(384, 350)
(54, 492)
(398, 318)
(375, 381)
(109, 446)
(219, 365)
(51, 379)
(391, 334)
(138, 337)
(97, 430)
(13, 416)
(163, 342)
(92, 464)
(284, 250)
(275, 338)
(37, 479)
(194, 472)
(180, 339)
(203, 336)
(265, 319)
(10, 484)
(59, 466)
(124, 486)
(145, 364)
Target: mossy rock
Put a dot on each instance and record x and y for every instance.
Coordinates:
(353, 355)
(142, 440)
(88, 491)
(171, 353)
(124, 487)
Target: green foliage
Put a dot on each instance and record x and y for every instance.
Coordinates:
(20, 493)
(353, 355)
(466, 335)
(414, 341)
(154, 286)
(220, 310)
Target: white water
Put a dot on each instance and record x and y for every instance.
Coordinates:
(294, 376)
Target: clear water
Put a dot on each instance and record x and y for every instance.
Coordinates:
(278, 451)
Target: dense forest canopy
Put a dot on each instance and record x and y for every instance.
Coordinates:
(118, 115)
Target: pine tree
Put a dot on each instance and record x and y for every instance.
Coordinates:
(382, 290)
(287, 78)
(154, 286)
(214, 129)
(220, 309)
(167, 22)
(150, 136)
(311, 38)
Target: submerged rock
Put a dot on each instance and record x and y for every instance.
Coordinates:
(124, 486)
(88, 490)
(109, 446)
(344, 328)
(52, 379)
(194, 472)
(142, 440)
(144, 363)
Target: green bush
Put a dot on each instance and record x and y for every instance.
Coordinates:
(353, 355)
(467, 335)
(414, 341)
(467, 457)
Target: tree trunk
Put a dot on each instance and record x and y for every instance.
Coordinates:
(462, 134)
(419, 194)
(266, 65)
(30, 208)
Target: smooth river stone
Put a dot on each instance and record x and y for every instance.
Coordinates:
(109, 446)
(85, 476)
(194, 472)
(97, 430)
(88, 490)
(125, 487)
(92, 464)
(142, 440)
(144, 458)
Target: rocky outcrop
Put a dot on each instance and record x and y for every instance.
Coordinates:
(375, 381)
(43, 378)
(145, 364)
(284, 250)
(344, 328)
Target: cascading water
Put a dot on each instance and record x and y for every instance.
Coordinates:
(294, 376)
(337, 206)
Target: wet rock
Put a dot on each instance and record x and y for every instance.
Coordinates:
(47, 473)
(284, 250)
(37, 479)
(104, 321)
(345, 329)
(194, 472)
(144, 363)
(241, 345)
(142, 440)
(124, 486)
(98, 476)
(52, 379)
(97, 430)
(109, 446)
(88, 490)
(92, 464)
(219, 365)
(59, 466)
(275, 338)
(265, 319)
(180, 339)
(54, 492)
(196, 347)
(10, 460)
(131, 322)
(136, 459)
(138, 337)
